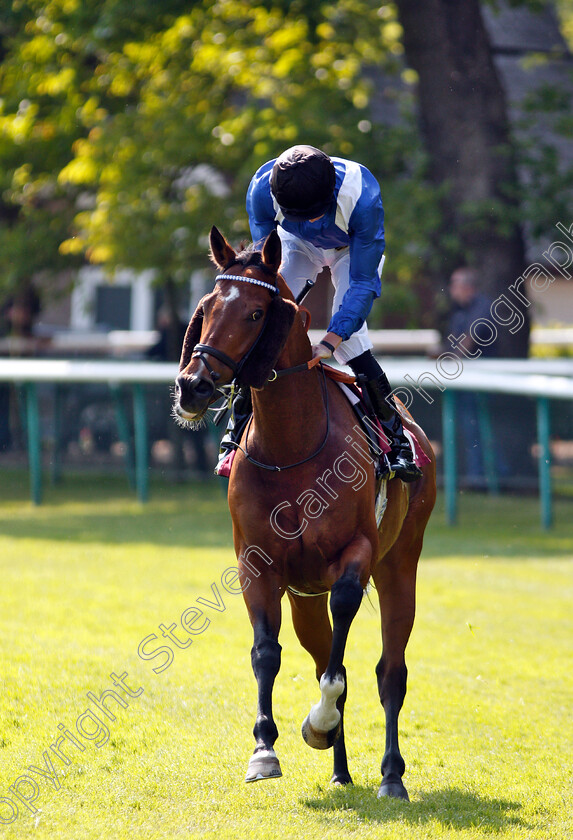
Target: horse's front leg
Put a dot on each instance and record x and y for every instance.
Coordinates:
(264, 608)
(322, 725)
(312, 626)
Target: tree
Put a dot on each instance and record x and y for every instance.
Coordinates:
(226, 87)
(126, 131)
(466, 131)
(51, 95)
(143, 128)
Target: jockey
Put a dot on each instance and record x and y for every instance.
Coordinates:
(328, 212)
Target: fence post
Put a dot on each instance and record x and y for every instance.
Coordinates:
(140, 433)
(543, 434)
(123, 433)
(487, 443)
(34, 442)
(449, 453)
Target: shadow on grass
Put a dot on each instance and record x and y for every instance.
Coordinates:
(102, 508)
(507, 526)
(453, 807)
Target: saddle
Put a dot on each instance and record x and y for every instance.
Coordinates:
(369, 423)
(358, 399)
(371, 430)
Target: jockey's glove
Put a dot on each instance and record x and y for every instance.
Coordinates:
(326, 347)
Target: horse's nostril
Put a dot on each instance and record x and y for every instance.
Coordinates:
(191, 389)
(203, 387)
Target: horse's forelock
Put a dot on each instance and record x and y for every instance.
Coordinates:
(250, 257)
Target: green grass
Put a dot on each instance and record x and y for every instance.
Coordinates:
(486, 730)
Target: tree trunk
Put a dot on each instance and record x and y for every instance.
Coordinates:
(466, 131)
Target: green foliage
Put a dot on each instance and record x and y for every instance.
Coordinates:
(51, 96)
(565, 12)
(226, 87)
(145, 128)
(548, 188)
(126, 131)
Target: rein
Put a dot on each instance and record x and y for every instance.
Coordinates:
(272, 467)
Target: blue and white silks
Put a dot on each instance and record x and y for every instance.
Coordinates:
(355, 221)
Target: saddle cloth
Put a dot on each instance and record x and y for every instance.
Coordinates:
(376, 436)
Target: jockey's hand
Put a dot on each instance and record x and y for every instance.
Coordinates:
(320, 352)
(325, 348)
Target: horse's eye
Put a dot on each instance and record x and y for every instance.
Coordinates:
(257, 315)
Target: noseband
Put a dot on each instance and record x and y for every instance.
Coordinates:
(205, 349)
(201, 350)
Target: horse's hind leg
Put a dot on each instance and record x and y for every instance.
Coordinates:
(265, 615)
(395, 579)
(314, 631)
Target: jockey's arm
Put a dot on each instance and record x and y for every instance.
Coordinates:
(366, 234)
(260, 209)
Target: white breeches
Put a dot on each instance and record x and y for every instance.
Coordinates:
(302, 261)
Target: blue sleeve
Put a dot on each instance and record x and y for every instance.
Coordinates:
(366, 233)
(260, 208)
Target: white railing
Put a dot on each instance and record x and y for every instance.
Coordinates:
(122, 343)
(543, 380)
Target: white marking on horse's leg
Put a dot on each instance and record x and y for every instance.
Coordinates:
(321, 727)
(324, 716)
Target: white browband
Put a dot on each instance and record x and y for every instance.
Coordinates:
(247, 280)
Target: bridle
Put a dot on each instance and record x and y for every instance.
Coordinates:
(202, 350)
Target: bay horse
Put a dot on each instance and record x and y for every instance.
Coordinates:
(302, 500)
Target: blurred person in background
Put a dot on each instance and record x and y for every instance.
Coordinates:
(469, 304)
(17, 316)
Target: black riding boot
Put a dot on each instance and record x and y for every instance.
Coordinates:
(400, 456)
(378, 388)
(241, 410)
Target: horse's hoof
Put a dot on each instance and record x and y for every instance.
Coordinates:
(394, 789)
(315, 738)
(340, 779)
(263, 764)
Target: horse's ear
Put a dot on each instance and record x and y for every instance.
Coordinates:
(222, 253)
(260, 364)
(192, 336)
(271, 252)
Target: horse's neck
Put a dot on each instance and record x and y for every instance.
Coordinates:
(288, 411)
